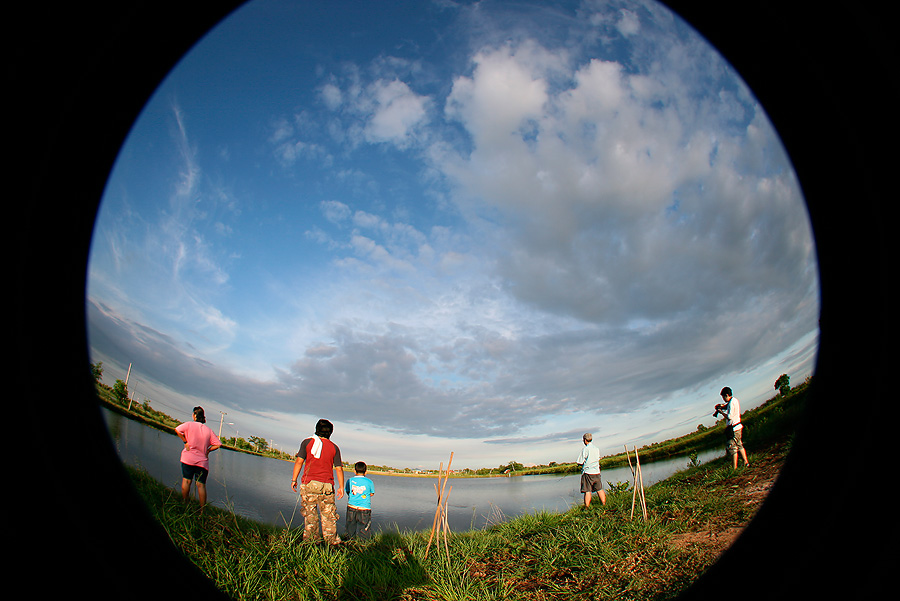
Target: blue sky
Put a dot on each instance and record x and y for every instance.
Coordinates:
(483, 228)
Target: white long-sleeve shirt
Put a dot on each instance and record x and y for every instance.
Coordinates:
(733, 413)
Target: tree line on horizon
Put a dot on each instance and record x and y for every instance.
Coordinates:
(117, 395)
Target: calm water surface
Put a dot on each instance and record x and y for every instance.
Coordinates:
(260, 488)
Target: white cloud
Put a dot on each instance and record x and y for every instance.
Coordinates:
(629, 24)
(395, 114)
(595, 234)
(503, 94)
(331, 96)
(335, 211)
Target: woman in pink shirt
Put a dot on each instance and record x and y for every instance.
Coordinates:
(199, 441)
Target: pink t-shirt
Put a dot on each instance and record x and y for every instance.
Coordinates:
(199, 437)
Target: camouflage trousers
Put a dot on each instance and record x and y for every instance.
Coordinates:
(317, 499)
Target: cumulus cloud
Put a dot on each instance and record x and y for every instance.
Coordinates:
(396, 113)
(598, 231)
(616, 209)
(630, 211)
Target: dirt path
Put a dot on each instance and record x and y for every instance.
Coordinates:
(750, 486)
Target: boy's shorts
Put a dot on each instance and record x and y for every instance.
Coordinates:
(734, 442)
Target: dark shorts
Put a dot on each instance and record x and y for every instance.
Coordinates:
(591, 482)
(358, 521)
(189, 471)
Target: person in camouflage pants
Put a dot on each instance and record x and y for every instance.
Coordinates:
(318, 457)
(317, 498)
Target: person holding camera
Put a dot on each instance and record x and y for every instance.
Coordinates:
(731, 411)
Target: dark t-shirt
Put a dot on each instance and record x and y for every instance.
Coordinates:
(319, 469)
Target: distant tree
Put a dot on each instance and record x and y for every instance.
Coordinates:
(240, 443)
(260, 443)
(701, 428)
(783, 384)
(120, 391)
(97, 370)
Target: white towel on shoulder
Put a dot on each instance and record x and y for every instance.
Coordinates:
(316, 449)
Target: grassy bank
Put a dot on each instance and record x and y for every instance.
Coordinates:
(763, 425)
(603, 552)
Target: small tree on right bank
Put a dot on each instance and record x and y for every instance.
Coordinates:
(120, 392)
(783, 384)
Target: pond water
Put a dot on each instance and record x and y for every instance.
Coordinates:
(259, 488)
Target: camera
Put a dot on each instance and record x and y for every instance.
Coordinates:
(720, 410)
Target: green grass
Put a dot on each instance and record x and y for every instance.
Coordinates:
(602, 552)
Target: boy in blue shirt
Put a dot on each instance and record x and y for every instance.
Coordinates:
(359, 491)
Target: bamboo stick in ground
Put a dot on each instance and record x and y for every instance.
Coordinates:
(443, 504)
(434, 523)
(447, 525)
(442, 487)
(641, 476)
(446, 475)
(437, 489)
(634, 476)
(628, 456)
(440, 506)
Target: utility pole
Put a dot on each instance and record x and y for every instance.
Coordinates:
(221, 421)
(127, 375)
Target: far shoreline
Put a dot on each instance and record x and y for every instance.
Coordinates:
(782, 408)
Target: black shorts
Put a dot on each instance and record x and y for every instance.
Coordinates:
(189, 471)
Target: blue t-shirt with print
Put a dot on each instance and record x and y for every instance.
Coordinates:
(359, 491)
